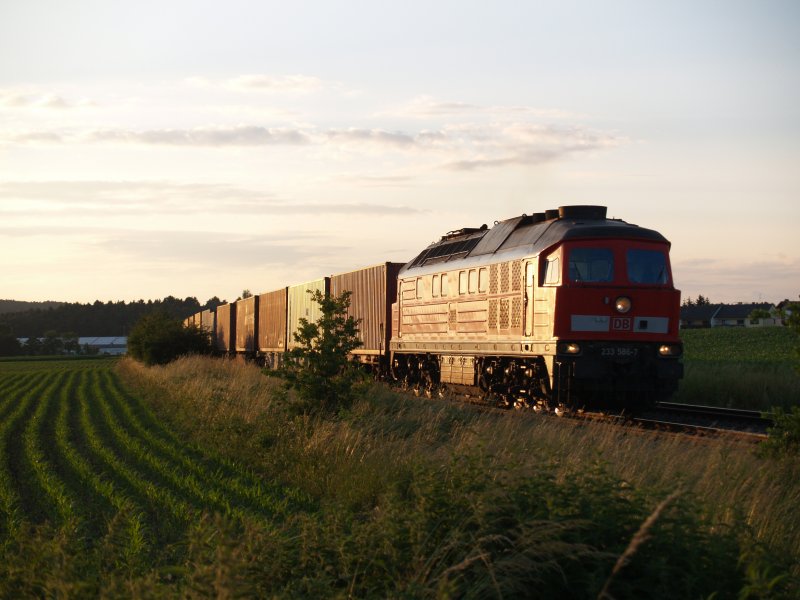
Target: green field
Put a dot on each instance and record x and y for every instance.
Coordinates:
(92, 483)
(738, 367)
(200, 479)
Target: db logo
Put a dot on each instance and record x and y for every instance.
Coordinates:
(621, 323)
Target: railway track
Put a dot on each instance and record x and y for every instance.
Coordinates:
(693, 420)
(687, 419)
(705, 420)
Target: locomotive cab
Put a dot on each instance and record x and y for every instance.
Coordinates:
(615, 316)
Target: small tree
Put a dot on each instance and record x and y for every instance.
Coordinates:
(157, 338)
(319, 369)
(9, 345)
(759, 313)
(702, 300)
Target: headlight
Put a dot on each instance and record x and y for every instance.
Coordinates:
(623, 304)
(669, 350)
(569, 348)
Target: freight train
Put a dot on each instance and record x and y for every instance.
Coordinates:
(555, 311)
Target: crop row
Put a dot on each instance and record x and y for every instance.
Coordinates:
(79, 451)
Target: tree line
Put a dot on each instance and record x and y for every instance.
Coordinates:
(97, 318)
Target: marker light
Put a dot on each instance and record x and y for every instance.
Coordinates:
(569, 348)
(623, 304)
(668, 350)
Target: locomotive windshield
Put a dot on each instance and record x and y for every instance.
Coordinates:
(647, 266)
(591, 265)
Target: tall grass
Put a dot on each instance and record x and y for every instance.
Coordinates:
(425, 498)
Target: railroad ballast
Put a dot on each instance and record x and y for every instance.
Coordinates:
(560, 309)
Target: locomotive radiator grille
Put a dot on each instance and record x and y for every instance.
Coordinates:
(516, 276)
(516, 313)
(493, 306)
(453, 318)
(493, 279)
(504, 313)
(504, 277)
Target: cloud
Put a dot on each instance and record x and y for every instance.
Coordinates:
(37, 137)
(210, 249)
(500, 145)
(371, 136)
(378, 180)
(233, 136)
(56, 199)
(18, 99)
(270, 84)
(425, 107)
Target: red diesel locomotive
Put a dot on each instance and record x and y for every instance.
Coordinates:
(555, 310)
(552, 310)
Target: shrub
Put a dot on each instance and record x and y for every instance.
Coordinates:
(157, 338)
(784, 437)
(319, 369)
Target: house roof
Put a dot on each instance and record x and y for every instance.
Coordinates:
(741, 311)
(706, 312)
(702, 312)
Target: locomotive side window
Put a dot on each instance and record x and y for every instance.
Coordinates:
(462, 282)
(445, 286)
(483, 279)
(591, 265)
(473, 281)
(647, 266)
(419, 288)
(435, 288)
(552, 270)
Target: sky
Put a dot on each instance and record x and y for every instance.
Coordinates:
(195, 148)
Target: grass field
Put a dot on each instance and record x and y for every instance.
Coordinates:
(753, 368)
(199, 479)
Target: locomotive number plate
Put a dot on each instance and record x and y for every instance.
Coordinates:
(619, 352)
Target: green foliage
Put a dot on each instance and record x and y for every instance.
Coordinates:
(701, 301)
(739, 367)
(784, 437)
(319, 369)
(159, 338)
(92, 319)
(738, 344)
(9, 344)
(759, 313)
(791, 315)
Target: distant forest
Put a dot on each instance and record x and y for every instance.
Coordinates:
(7, 306)
(95, 319)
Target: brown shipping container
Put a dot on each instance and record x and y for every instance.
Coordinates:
(272, 321)
(246, 324)
(226, 327)
(300, 305)
(208, 321)
(374, 289)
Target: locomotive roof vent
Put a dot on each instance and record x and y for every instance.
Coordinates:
(591, 212)
(551, 213)
(537, 217)
(463, 232)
